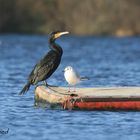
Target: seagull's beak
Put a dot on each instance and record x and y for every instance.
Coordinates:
(61, 33)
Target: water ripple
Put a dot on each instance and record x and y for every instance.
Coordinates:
(108, 61)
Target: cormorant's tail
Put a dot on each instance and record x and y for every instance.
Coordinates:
(25, 89)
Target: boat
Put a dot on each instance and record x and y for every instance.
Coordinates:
(99, 98)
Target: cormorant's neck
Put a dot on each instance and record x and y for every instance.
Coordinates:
(54, 46)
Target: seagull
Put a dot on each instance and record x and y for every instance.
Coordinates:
(72, 77)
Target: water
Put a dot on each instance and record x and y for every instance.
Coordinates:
(109, 61)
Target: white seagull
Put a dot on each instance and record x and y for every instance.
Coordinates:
(72, 77)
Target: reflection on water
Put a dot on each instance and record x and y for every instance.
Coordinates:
(108, 61)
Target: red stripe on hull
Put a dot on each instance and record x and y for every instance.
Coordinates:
(134, 105)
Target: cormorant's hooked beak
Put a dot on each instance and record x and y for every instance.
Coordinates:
(60, 34)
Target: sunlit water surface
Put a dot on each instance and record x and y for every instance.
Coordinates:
(108, 61)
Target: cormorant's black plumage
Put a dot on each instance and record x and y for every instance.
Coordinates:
(46, 66)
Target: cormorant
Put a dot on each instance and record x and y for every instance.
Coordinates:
(46, 66)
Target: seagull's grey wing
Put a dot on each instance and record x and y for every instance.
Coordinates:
(77, 74)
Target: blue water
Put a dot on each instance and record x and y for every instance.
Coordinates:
(109, 61)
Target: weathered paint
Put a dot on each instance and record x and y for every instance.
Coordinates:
(92, 98)
(130, 105)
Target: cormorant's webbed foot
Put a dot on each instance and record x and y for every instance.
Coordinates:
(45, 84)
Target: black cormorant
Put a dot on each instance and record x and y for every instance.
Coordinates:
(46, 66)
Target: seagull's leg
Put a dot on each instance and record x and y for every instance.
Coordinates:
(69, 88)
(74, 88)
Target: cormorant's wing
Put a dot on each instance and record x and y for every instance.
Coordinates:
(44, 67)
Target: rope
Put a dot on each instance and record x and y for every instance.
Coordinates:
(49, 86)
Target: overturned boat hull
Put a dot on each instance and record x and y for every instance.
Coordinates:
(113, 98)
